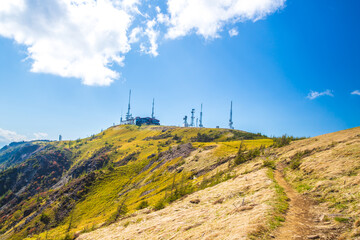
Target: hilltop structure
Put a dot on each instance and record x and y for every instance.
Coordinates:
(130, 120)
(193, 123)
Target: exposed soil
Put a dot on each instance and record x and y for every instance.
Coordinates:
(304, 218)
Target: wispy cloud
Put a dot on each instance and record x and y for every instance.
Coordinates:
(313, 94)
(84, 38)
(233, 32)
(7, 136)
(11, 136)
(356, 92)
(40, 136)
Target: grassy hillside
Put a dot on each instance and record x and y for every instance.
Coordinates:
(315, 196)
(69, 187)
(326, 169)
(159, 182)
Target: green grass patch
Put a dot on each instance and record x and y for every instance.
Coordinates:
(341, 219)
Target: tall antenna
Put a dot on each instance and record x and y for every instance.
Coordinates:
(192, 117)
(121, 120)
(152, 113)
(185, 122)
(128, 115)
(230, 121)
(201, 125)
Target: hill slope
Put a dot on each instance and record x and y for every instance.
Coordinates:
(315, 195)
(67, 187)
(184, 183)
(325, 170)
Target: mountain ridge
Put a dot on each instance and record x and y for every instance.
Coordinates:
(149, 181)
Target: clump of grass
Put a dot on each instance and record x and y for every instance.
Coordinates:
(341, 219)
(296, 160)
(219, 177)
(303, 187)
(269, 164)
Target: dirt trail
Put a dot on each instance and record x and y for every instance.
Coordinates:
(298, 218)
(302, 219)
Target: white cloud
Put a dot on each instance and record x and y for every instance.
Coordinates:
(152, 35)
(7, 136)
(356, 92)
(313, 94)
(135, 35)
(40, 136)
(84, 38)
(10, 136)
(71, 38)
(207, 17)
(233, 32)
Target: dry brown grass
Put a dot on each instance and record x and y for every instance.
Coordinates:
(329, 174)
(227, 219)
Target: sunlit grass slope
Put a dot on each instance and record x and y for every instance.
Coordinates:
(123, 169)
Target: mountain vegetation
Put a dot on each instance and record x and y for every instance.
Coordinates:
(157, 182)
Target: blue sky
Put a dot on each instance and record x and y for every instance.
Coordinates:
(268, 69)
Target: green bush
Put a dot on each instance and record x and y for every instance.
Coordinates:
(296, 160)
(45, 219)
(284, 140)
(159, 205)
(269, 164)
(142, 205)
(245, 155)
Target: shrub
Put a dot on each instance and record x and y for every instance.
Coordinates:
(296, 159)
(159, 205)
(284, 140)
(245, 155)
(45, 219)
(142, 205)
(269, 164)
(68, 237)
(203, 138)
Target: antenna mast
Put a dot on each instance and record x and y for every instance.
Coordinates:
(185, 122)
(128, 115)
(201, 125)
(192, 117)
(230, 121)
(152, 113)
